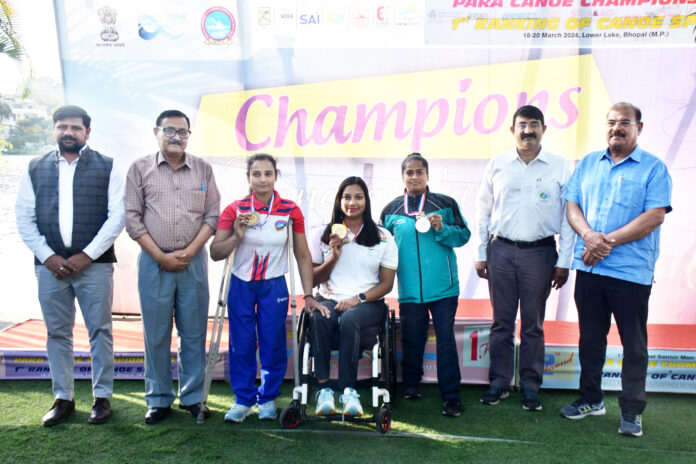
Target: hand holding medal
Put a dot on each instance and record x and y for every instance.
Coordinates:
(340, 230)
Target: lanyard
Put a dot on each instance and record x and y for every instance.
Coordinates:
(270, 206)
(421, 205)
(346, 239)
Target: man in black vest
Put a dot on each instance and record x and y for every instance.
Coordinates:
(69, 212)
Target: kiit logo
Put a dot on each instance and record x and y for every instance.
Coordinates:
(311, 19)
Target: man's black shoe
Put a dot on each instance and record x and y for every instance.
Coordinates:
(60, 410)
(452, 408)
(530, 400)
(195, 409)
(493, 395)
(154, 415)
(411, 392)
(101, 411)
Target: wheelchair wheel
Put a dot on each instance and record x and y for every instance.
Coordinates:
(290, 417)
(384, 419)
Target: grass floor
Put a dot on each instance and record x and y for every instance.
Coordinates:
(420, 434)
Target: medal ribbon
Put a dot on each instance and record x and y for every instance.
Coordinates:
(421, 205)
(270, 206)
(346, 239)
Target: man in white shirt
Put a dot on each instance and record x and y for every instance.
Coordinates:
(69, 212)
(520, 207)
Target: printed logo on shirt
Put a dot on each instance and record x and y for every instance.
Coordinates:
(400, 221)
(280, 300)
(543, 195)
(280, 225)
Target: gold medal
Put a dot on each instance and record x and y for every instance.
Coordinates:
(423, 225)
(253, 218)
(340, 230)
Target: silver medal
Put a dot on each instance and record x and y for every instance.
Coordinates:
(423, 225)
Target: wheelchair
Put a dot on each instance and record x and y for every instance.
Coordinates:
(380, 342)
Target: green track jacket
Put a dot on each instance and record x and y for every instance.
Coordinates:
(427, 263)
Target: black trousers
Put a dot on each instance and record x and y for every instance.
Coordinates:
(597, 298)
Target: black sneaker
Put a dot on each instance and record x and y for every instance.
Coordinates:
(530, 400)
(411, 393)
(451, 408)
(493, 395)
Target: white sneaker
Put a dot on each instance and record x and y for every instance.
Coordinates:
(325, 402)
(351, 403)
(237, 413)
(268, 410)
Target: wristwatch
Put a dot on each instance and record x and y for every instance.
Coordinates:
(362, 297)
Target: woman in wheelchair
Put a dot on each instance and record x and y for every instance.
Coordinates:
(354, 265)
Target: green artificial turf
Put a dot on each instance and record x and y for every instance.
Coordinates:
(420, 433)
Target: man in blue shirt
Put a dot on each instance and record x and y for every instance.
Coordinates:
(617, 200)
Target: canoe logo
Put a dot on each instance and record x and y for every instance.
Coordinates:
(218, 26)
(280, 224)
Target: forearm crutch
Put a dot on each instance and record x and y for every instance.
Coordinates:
(293, 304)
(215, 335)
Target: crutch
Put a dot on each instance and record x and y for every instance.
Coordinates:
(293, 305)
(216, 334)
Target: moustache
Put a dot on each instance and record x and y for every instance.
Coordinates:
(67, 139)
(529, 136)
(174, 142)
(618, 134)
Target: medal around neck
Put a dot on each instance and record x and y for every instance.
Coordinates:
(254, 218)
(340, 230)
(423, 225)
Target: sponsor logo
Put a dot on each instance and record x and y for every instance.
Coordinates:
(543, 195)
(265, 16)
(280, 224)
(149, 27)
(280, 300)
(336, 17)
(401, 221)
(285, 18)
(107, 16)
(218, 26)
(311, 19)
(361, 18)
(383, 16)
(409, 16)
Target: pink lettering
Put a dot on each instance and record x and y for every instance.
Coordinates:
(459, 128)
(240, 123)
(422, 114)
(382, 117)
(569, 107)
(480, 113)
(540, 100)
(337, 128)
(300, 116)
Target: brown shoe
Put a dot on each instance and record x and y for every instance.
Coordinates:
(60, 411)
(101, 411)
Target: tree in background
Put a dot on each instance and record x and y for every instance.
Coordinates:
(9, 39)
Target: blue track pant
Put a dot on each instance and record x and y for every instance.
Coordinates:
(257, 308)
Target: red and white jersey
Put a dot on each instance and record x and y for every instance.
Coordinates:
(263, 252)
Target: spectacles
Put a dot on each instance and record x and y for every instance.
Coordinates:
(169, 132)
(531, 125)
(624, 123)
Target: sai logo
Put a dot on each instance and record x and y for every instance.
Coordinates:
(309, 19)
(280, 224)
(218, 25)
